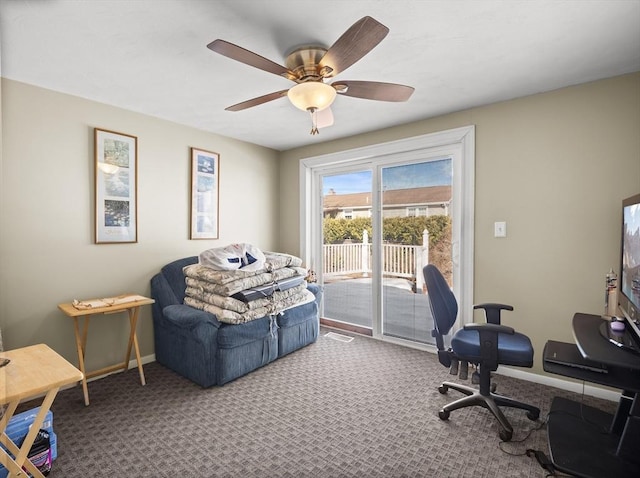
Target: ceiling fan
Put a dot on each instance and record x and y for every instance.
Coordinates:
(311, 66)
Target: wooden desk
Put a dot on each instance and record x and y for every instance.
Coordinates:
(32, 371)
(132, 308)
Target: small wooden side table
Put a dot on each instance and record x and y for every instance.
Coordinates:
(32, 371)
(83, 314)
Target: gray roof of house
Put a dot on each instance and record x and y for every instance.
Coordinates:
(395, 197)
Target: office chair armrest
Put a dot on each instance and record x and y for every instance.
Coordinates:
(497, 328)
(492, 311)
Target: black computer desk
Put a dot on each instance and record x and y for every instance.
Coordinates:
(585, 441)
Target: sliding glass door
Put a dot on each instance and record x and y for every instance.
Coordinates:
(374, 217)
(409, 227)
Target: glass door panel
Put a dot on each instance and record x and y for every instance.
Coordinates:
(346, 250)
(416, 230)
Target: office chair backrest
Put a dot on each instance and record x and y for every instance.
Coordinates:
(444, 306)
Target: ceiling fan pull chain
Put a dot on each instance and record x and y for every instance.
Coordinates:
(314, 121)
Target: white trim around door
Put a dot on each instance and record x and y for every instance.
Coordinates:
(458, 144)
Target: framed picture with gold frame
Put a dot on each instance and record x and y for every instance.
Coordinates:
(205, 182)
(116, 187)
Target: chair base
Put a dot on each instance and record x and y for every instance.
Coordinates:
(491, 402)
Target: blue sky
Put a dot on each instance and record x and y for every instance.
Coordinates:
(433, 173)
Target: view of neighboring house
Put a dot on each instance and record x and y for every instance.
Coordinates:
(426, 201)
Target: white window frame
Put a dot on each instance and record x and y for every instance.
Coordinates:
(417, 211)
(458, 144)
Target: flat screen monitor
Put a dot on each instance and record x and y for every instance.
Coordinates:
(629, 297)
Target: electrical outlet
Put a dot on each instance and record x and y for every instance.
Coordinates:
(500, 229)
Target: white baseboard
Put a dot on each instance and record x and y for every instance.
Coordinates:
(145, 360)
(571, 386)
(563, 384)
(132, 364)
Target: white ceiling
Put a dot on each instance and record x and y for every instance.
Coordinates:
(150, 56)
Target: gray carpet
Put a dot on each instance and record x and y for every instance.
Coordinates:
(333, 409)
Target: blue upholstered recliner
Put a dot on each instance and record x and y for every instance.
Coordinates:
(196, 345)
(487, 345)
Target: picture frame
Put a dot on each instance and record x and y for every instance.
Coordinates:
(116, 187)
(205, 194)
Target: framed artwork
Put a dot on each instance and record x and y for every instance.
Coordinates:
(205, 180)
(116, 187)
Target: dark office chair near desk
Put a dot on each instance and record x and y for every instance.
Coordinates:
(487, 345)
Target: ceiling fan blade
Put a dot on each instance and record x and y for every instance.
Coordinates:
(355, 43)
(373, 90)
(257, 101)
(247, 57)
(324, 118)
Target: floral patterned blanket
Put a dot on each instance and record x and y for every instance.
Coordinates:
(266, 308)
(211, 290)
(200, 276)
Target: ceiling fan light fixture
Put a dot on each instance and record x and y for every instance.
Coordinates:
(312, 95)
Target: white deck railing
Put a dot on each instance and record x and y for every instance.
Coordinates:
(397, 260)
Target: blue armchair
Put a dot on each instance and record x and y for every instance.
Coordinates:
(196, 345)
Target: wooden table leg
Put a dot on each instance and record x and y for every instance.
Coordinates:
(133, 340)
(81, 342)
(132, 331)
(7, 460)
(14, 465)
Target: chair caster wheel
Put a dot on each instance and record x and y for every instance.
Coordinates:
(443, 414)
(494, 387)
(505, 435)
(533, 416)
(443, 389)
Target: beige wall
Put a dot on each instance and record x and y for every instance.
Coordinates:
(555, 167)
(47, 255)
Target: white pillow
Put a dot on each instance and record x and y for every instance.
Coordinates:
(233, 257)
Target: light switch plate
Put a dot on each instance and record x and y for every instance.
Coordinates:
(500, 229)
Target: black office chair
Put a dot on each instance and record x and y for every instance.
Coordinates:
(486, 345)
